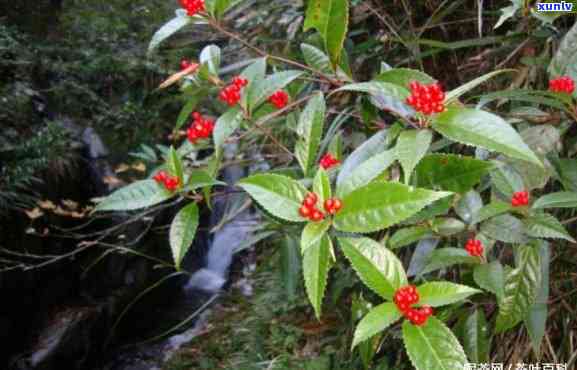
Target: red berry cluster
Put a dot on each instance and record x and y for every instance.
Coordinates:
(231, 93)
(520, 198)
(171, 183)
(407, 296)
(192, 6)
(562, 84)
(200, 128)
(427, 99)
(328, 161)
(474, 247)
(309, 210)
(279, 99)
(333, 206)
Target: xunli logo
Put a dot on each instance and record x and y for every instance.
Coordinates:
(555, 7)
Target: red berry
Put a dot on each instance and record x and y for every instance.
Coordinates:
(171, 183)
(160, 176)
(279, 99)
(317, 216)
(305, 211)
(562, 84)
(313, 196)
(474, 247)
(426, 99)
(328, 161)
(329, 204)
(520, 198)
(192, 6)
(239, 81)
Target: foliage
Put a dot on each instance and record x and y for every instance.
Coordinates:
(407, 177)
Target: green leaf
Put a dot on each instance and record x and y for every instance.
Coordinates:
(263, 89)
(322, 185)
(184, 114)
(421, 256)
(463, 89)
(182, 232)
(254, 73)
(490, 210)
(377, 320)
(198, 179)
(408, 236)
(450, 172)
(542, 139)
(310, 130)
(174, 164)
(365, 172)
(490, 276)
(225, 125)
(544, 225)
(140, 194)
(433, 346)
(447, 226)
(412, 145)
(537, 317)
(521, 287)
(277, 194)
(508, 12)
(312, 233)
(331, 19)
(404, 76)
(505, 228)
(507, 180)
(476, 339)
(484, 130)
(210, 56)
(320, 61)
(377, 266)
(379, 205)
(316, 266)
(378, 88)
(469, 206)
(373, 146)
(218, 7)
(167, 30)
(446, 257)
(561, 199)
(290, 265)
(442, 293)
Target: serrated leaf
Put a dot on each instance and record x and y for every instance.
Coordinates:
(225, 125)
(371, 147)
(491, 210)
(380, 204)
(544, 225)
(537, 317)
(521, 287)
(376, 88)
(263, 89)
(316, 266)
(200, 178)
(412, 145)
(507, 180)
(404, 76)
(505, 228)
(366, 172)
(476, 338)
(433, 346)
(277, 194)
(491, 277)
(377, 320)
(167, 30)
(310, 130)
(450, 172)
(312, 233)
(484, 130)
(463, 89)
(561, 199)
(322, 186)
(317, 59)
(182, 232)
(442, 293)
(377, 266)
(140, 194)
(446, 257)
(408, 235)
(331, 19)
(469, 206)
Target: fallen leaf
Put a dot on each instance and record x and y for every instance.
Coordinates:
(70, 204)
(112, 180)
(46, 204)
(123, 167)
(140, 167)
(35, 213)
(178, 76)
